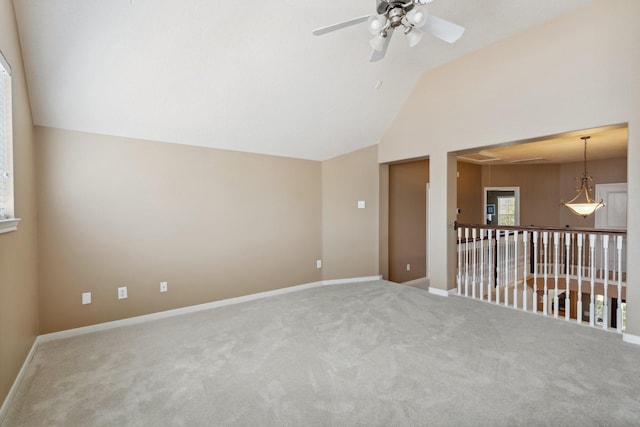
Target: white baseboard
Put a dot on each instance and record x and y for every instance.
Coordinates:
(16, 383)
(631, 339)
(194, 308)
(442, 292)
(351, 280)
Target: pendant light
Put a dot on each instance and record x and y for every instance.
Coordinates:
(582, 204)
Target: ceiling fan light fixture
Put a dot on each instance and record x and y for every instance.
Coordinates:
(378, 42)
(417, 17)
(377, 24)
(414, 36)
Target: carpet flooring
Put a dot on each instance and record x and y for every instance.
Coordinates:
(368, 354)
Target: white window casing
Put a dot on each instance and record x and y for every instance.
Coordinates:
(8, 222)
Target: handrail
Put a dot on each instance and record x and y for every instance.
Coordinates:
(456, 225)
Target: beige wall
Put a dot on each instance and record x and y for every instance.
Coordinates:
(407, 220)
(577, 72)
(350, 235)
(18, 273)
(215, 224)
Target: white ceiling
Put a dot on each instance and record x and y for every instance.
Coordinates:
(244, 75)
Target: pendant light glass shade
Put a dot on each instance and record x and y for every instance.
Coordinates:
(582, 204)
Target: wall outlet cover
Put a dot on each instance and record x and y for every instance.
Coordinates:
(122, 292)
(164, 286)
(86, 298)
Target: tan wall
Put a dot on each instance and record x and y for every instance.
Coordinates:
(350, 235)
(18, 264)
(470, 198)
(383, 223)
(539, 190)
(215, 224)
(575, 72)
(407, 220)
(543, 186)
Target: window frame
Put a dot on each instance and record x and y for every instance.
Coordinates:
(8, 221)
(500, 209)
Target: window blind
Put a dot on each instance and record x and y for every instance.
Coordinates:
(6, 141)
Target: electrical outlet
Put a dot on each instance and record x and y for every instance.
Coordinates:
(408, 267)
(122, 292)
(361, 204)
(86, 298)
(164, 286)
(319, 263)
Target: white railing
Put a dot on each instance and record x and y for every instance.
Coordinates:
(547, 270)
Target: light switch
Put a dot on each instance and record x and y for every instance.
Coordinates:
(361, 204)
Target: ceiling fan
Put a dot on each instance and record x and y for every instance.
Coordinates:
(411, 15)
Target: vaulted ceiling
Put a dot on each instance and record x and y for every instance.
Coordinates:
(245, 76)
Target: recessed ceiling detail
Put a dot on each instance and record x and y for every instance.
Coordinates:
(479, 158)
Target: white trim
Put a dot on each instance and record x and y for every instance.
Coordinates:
(442, 292)
(631, 339)
(7, 225)
(18, 381)
(351, 280)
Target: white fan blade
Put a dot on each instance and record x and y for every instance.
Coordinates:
(443, 29)
(345, 24)
(377, 55)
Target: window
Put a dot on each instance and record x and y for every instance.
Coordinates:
(7, 220)
(506, 210)
(502, 206)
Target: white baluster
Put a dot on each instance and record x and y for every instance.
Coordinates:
(481, 264)
(498, 278)
(592, 273)
(545, 247)
(579, 314)
(605, 261)
(474, 235)
(556, 238)
(459, 278)
(515, 269)
(466, 276)
(490, 283)
(525, 266)
(567, 301)
(506, 267)
(619, 307)
(535, 272)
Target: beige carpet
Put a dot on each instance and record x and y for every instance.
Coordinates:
(370, 354)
